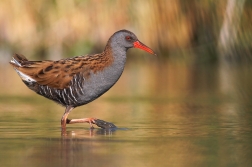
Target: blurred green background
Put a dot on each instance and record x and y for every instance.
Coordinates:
(190, 106)
(173, 28)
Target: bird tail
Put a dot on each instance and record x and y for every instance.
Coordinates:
(18, 60)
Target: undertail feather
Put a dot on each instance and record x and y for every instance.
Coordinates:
(18, 60)
(15, 62)
(24, 77)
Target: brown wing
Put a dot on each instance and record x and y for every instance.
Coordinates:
(56, 74)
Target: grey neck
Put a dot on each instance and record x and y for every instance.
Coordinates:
(119, 55)
(100, 82)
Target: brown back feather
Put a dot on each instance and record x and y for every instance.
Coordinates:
(58, 74)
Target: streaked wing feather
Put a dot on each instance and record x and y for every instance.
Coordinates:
(59, 74)
(55, 74)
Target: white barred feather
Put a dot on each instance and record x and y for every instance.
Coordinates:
(25, 77)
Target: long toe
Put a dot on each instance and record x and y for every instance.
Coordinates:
(104, 125)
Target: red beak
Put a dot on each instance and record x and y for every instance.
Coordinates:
(142, 46)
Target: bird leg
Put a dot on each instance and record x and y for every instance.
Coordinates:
(91, 121)
(64, 117)
(82, 120)
(98, 122)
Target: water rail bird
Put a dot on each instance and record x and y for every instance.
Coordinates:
(76, 81)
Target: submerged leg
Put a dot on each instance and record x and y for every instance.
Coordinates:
(100, 123)
(64, 117)
(82, 120)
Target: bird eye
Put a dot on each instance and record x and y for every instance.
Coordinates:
(128, 38)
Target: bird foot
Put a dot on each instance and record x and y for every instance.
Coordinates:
(104, 125)
(100, 123)
(91, 121)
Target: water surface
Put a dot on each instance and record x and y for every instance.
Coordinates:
(168, 114)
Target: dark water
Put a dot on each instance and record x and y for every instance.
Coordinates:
(168, 114)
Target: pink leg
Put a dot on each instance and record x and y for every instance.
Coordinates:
(64, 117)
(98, 122)
(82, 120)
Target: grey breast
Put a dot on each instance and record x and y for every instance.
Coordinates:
(100, 82)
